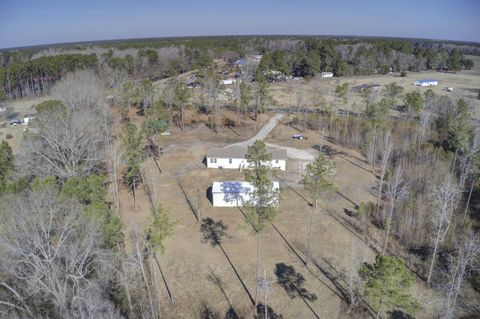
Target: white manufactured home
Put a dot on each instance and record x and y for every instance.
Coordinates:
(233, 193)
(228, 81)
(234, 158)
(428, 82)
(326, 75)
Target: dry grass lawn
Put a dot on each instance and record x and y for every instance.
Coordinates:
(221, 279)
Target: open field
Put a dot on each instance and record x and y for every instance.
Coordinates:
(465, 84)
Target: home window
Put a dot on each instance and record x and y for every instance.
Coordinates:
(276, 161)
(230, 161)
(213, 159)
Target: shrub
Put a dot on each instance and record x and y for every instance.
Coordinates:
(9, 136)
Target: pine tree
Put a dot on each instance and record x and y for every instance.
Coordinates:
(387, 284)
(6, 162)
(160, 228)
(315, 182)
(261, 209)
(132, 139)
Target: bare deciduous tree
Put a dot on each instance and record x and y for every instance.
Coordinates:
(396, 191)
(459, 268)
(445, 198)
(69, 139)
(81, 89)
(50, 258)
(212, 87)
(387, 150)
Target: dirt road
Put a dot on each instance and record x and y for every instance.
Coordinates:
(263, 133)
(292, 153)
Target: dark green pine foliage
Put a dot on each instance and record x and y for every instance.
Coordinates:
(387, 284)
(262, 209)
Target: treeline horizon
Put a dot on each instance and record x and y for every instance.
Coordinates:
(29, 72)
(153, 40)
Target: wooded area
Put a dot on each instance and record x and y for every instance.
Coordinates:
(32, 72)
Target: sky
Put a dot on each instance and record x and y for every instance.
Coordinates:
(34, 22)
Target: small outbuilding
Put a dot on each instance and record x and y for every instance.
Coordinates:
(233, 193)
(427, 82)
(235, 158)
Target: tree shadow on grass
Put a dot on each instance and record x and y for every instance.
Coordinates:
(398, 314)
(213, 233)
(206, 312)
(292, 282)
(231, 313)
(270, 313)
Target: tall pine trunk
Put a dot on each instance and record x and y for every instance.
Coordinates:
(314, 207)
(257, 272)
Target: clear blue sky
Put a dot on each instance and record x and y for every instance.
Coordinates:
(32, 22)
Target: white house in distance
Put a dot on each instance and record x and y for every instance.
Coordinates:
(427, 82)
(228, 81)
(326, 75)
(233, 193)
(234, 158)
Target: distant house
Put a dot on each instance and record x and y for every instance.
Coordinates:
(326, 75)
(275, 76)
(256, 57)
(228, 81)
(27, 118)
(240, 62)
(234, 158)
(372, 86)
(427, 82)
(15, 122)
(233, 193)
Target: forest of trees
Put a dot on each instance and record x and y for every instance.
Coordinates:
(31, 72)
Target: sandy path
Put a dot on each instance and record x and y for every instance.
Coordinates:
(292, 153)
(262, 134)
(297, 154)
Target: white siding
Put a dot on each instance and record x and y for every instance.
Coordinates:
(228, 81)
(239, 163)
(426, 83)
(326, 75)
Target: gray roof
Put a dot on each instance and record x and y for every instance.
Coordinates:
(240, 152)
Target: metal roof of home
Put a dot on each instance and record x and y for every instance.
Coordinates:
(235, 187)
(426, 80)
(240, 152)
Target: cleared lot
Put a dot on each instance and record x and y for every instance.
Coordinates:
(194, 266)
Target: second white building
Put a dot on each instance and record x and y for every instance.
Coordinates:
(233, 193)
(234, 158)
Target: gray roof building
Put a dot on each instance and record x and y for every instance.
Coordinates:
(240, 152)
